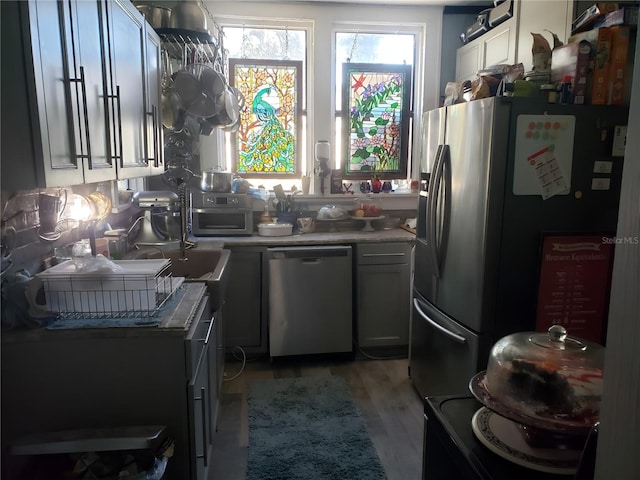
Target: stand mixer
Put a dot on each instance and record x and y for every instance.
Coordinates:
(161, 219)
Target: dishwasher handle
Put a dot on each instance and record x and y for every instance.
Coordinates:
(311, 259)
(309, 255)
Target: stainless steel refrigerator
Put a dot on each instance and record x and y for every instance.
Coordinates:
(483, 212)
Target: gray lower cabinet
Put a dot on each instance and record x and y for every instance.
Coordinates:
(246, 303)
(383, 285)
(112, 377)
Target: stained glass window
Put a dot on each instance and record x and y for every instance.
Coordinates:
(267, 138)
(376, 100)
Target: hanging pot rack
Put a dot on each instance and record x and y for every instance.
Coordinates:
(190, 46)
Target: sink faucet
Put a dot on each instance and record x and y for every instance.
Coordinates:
(184, 243)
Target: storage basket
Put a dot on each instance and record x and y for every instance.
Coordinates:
(139, 289)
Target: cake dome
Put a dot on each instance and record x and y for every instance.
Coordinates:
(547, 376)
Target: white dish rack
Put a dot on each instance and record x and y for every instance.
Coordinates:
(138, 290)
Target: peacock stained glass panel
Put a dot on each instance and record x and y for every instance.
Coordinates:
(269, 121)
(375, 106)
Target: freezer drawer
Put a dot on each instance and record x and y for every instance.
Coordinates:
(310, 300)
(444, 355)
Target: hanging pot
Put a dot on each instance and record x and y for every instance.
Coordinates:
(158, 17)
(216, 180)
(188, 15)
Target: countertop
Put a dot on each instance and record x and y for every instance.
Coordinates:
(316, 238)
(176, 322)
(179, 319)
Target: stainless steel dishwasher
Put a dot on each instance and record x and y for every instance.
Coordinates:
(310, 300)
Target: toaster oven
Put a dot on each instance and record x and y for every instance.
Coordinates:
(221, 214)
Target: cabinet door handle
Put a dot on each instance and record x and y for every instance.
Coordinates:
(203, 407)
(398, 254)
(117, 129)
(206, 339)
(156, 136)
(154, 142)
(119, 105)
(85, 114)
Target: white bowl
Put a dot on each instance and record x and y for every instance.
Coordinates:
(275, 229)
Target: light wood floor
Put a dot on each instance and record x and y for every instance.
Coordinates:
(392, 410)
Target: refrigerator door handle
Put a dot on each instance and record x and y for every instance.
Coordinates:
(431, 209)
(441, 208)
(436, 161)
(453, 336)
(434, 193)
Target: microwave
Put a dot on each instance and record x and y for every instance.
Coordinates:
(221, 214)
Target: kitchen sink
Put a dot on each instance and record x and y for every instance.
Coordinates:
(199, 265)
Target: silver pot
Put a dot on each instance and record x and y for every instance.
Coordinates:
(216, 181)
(189, 15)
(158, 17)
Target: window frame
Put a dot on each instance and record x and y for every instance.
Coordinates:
(299, 112)
(228, 149)
(405, 157)
(321, 21)
(418, 30)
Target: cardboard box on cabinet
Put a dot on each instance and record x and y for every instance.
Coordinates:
(618, 75)
(600, 40)
(608, 63)
(573, 59)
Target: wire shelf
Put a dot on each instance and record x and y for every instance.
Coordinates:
(190, 46)
(132, 293)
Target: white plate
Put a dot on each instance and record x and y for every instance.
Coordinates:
(477, 386)
(275, 229)
(503, 437)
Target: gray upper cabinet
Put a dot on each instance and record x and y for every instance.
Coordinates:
(153, 96)
(87, 71)
(80, 93)
(510, 42)
(137, 95)
(53, 95)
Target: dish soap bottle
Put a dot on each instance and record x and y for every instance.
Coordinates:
(265, 217)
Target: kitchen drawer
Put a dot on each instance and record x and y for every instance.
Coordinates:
(383, 253)
(199, 335)
(200, 420)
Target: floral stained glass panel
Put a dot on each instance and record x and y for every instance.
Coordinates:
(376, 101)
(269, 122)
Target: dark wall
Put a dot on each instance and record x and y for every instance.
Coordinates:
(455, 20)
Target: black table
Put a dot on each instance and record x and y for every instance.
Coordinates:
(452, 451)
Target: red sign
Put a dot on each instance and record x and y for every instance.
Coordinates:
(575, 278)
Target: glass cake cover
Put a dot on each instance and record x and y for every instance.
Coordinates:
(549, 377)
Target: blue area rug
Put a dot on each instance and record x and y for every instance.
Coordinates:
(308, 428)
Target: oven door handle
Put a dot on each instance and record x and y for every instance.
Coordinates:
(453, 336)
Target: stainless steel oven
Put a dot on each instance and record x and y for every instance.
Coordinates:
(221, 214)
